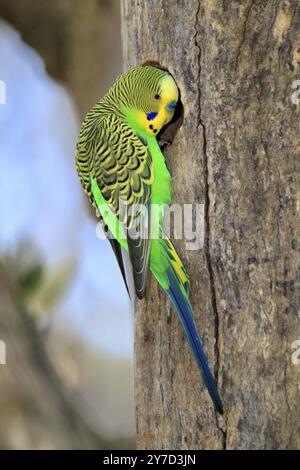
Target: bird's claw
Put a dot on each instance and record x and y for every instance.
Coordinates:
(163, 143)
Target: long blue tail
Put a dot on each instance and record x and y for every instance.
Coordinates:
(184, 310)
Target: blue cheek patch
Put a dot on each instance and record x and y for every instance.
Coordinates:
(151, 116)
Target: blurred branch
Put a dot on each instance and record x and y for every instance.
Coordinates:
(72, 38)
(32, 398)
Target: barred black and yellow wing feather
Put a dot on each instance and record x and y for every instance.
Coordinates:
(120, 162)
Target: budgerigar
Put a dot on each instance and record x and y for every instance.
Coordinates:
(123, 171)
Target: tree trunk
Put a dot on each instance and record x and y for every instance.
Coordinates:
(238, 153)
(72, 37)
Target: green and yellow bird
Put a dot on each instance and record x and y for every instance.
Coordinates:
(124, 174)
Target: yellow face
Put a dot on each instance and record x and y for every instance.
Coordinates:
(164, 104)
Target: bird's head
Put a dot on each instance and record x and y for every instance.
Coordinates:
(155, 100)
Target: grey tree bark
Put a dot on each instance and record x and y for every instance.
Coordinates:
(237, 152)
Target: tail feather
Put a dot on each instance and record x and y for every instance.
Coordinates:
(170, 273)
(185, 313)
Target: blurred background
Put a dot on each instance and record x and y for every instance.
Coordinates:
(65, 316)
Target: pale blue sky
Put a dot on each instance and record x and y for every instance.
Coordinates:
(41, 198)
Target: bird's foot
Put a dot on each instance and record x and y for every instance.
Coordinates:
(164, 143)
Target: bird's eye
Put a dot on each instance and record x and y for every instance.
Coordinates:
(156, 97)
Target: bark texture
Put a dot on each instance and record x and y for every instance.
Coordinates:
(237, 152)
